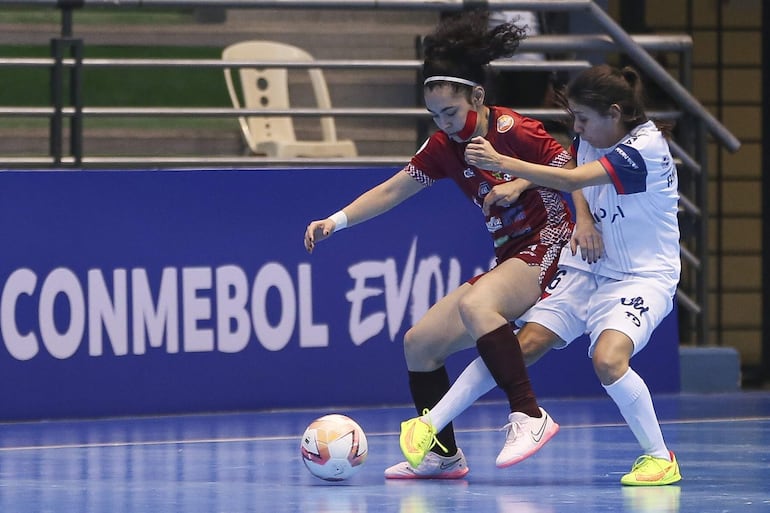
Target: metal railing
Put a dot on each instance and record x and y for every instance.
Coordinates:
(694, 122)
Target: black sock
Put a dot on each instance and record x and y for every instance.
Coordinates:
(502, 355)
(427, 389)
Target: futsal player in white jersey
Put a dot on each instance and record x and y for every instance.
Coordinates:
(630, 182)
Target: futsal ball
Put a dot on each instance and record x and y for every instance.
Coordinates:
(334, 447)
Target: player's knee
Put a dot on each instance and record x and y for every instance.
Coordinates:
(611, 356)
(609, 366)
(534, 343)
(469, 309)
(419, 352)
(411, 343)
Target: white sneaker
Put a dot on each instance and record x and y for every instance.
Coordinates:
(433, 466)
(526, 435)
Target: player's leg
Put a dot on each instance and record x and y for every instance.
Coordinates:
(499, 295)
(476, 380)
(486, 310)
(549, 323)
(439, 333)
(624, 328)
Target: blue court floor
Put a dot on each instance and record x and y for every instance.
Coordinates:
(249, 462)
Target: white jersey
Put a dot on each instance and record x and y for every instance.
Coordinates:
(636, 213)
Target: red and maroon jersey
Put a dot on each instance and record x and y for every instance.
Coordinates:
(540, 215)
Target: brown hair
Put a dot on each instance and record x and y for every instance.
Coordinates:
(461, 46)
(602, 86)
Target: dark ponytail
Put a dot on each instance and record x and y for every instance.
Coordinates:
(462, 46)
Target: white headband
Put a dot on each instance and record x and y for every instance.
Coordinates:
(442, 78)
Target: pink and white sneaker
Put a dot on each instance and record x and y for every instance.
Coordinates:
(526, 435)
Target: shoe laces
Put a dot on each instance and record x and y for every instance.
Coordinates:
(646, 459)
(429, 443)
(513, 428)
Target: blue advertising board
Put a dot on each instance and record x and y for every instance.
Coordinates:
(154, 292)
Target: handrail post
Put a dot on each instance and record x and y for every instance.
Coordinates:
(76, 99)
(701, 287)
(74, 47)
(55, 123)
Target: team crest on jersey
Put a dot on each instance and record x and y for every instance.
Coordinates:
(484, 189)
(468, 173)
(504, 123)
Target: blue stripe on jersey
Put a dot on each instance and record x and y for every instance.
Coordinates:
(628, 169)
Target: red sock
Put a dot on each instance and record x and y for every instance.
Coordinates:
(502, 355)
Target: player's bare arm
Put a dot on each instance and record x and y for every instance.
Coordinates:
(372, 203)
(585, 235)
(481, 154)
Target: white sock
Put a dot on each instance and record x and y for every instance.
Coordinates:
(633, 398)
(474, 382)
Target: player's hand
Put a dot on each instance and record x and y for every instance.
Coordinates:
(480, 153)
(586, 237)
(318, 231)
(502, 195)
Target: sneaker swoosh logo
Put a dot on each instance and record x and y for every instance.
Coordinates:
(536, 436)
(653, 477)
(446, 464)
(409, 435)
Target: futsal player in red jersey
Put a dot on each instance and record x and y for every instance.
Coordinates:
(528, 226)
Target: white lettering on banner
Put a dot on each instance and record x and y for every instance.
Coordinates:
(396, 295)
(360, 329)
(231, 309)
(127, 312)
(276, 337)
(429, 273)
(310, 335)
(62, 345)
(22, 347)
(196, 308)
(149, 320)
(112, 313)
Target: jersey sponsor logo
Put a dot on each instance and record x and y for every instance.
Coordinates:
(503, 177)
(602, 214)
(625, 156)
(494, 224)
(504, 123)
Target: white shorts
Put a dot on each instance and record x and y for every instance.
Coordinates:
(578, 302)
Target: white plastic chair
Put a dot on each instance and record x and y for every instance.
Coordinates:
(268, 88)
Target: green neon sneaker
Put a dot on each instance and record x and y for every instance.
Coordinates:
(418, 437)
(650, 471)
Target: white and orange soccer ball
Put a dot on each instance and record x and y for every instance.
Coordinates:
(334, 447)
